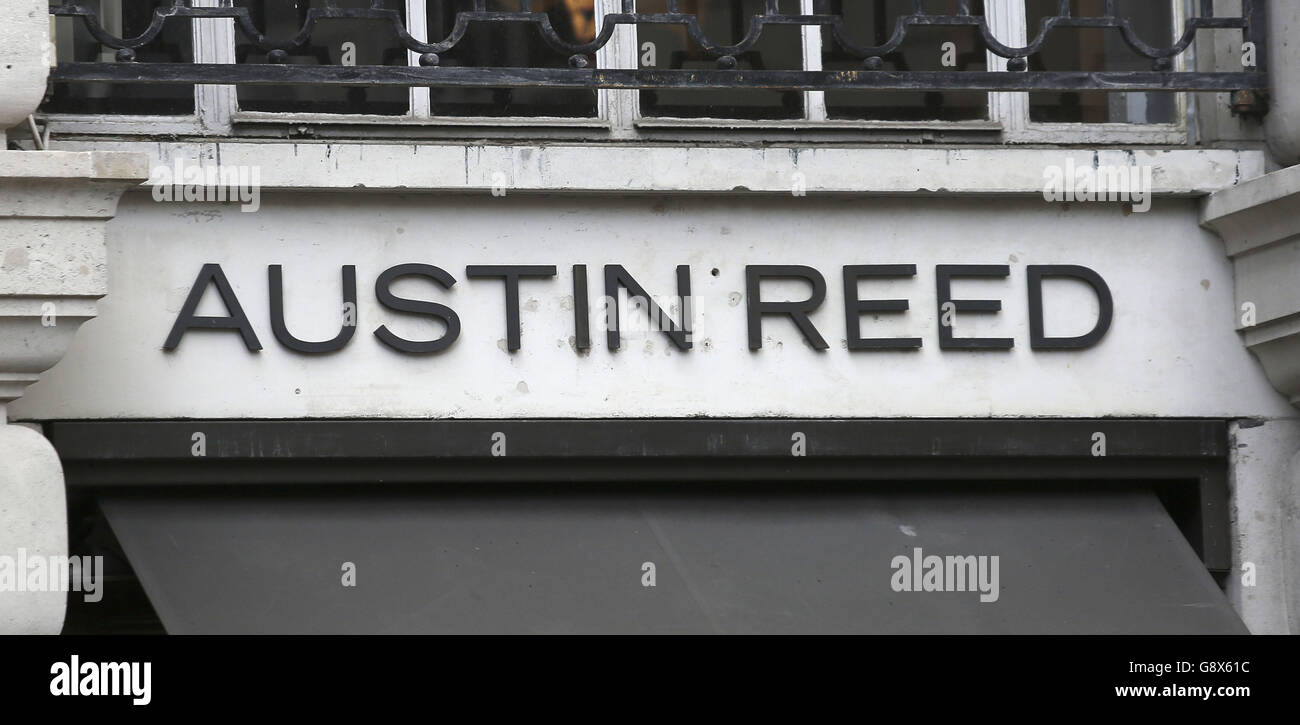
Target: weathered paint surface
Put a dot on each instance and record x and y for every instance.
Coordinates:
(569, 168)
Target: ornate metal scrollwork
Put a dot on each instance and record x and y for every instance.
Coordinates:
(1162, 76)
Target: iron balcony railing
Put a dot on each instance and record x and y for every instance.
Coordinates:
(1163, 75)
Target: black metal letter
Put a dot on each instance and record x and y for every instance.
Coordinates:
(797, 311)
(236, 320)
(854, 307)
(276, 282)
(943, 274)
(1037, 340)
(419, 307)
(581, 311)
(617, 277)
(511, 274)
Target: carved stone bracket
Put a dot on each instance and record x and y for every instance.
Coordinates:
(1259, 221)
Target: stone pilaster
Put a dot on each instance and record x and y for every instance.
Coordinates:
(54, 209)
(1259, 221)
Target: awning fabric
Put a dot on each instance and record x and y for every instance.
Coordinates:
(1109, 561)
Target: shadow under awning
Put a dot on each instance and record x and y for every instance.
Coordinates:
(798, 560)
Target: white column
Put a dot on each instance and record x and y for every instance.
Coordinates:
(54, 208)
(1282, 124)
(25, 57)
(1264, 585)
(1259, 221)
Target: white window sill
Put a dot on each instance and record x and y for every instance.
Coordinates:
(642, 168)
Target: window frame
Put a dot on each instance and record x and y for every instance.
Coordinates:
(618, 117)
(1013, 108)
(814, 102)
(419, 111)
(123, 124)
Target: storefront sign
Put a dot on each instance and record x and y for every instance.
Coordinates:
(440, 306)
(621, 289)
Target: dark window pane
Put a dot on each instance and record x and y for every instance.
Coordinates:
(123, 19)
(369, 42)
(1101, 49)
(724, 23)
(512, 45)
(871, 23)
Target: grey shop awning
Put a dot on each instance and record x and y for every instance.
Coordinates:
(1110, 561)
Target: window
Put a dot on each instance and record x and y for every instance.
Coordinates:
(333, 42)
(1117, 117)
(724, 23)
(374, 41)
(660, 41)
(873, 23)
(122, 18)
(792, 47)
(1101, 49)
(512, 45)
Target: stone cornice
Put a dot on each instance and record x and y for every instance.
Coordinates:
(53, 209)
(1259, 221)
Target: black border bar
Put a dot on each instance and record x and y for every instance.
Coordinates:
(154, 454)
